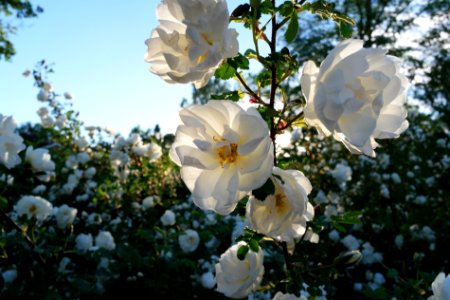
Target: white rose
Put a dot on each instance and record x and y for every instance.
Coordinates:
(151, 150)
(168, 218)
(237, 278)
(357, 96)
(105, 240)
(342, 173)
(65, 215)
(39, 159)
(148, 202)
(284, 214)
(33, 206)
(189, 240)
(280, 296)
(441, 287)
(224, 152)
(10, 142)
(83, 241)
(191, 41)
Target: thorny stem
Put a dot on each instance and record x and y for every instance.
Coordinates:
(273, 85)
(247, 88)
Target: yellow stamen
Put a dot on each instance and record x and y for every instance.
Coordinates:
(227, 154)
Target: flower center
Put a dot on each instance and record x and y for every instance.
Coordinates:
(32, 209)
(227, 154)
(280, 203)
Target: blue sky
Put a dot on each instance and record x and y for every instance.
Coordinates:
(97, 48)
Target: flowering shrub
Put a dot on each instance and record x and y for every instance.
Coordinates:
(223, 208)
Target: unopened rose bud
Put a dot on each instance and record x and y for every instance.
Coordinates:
(348, 258)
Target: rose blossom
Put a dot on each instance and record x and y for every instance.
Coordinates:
(284, 214)
(237, 278)
(65, 215)
(10, 142)
(224, 152)
(189, 240)
(441, 287)
(357, 95)
(33, 206)
(39, 159)
(191, 41)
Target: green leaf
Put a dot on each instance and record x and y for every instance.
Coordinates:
(268, 188)
(292, 29)
(351, 217)
(3, 202)
(239, 62)
(242, 252)
(254, 246)
(232, 96)
(286, 8)
(345, 29)
(225, 71)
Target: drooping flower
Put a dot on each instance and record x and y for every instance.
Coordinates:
(11, 143)
(224, 152)
(357, 95)
(283, 215)
(237, 278)
(40, 159)
(33, 206)
(441, 287)
(191, 41)
(189, 240)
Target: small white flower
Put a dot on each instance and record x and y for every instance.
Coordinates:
(237, 278)
(281, 296)
(224, 152)
(42, 95)
(65, 215)
(342, 173)
(208, 281)
(9, 276)
(357, 96)
(68, 96)
(350, 242)
(151, 150)
(191, 41)
(105, 240)
(33, 206)
(83, 242)
(189, 240)
(168, 218)
(148, 202)
(40, 159)
(10, 142)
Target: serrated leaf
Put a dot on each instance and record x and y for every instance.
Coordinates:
(225, 71)
(292, 29)
(242, 252)
(254, 246)
(268, 188)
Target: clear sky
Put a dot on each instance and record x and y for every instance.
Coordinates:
(97, 48)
